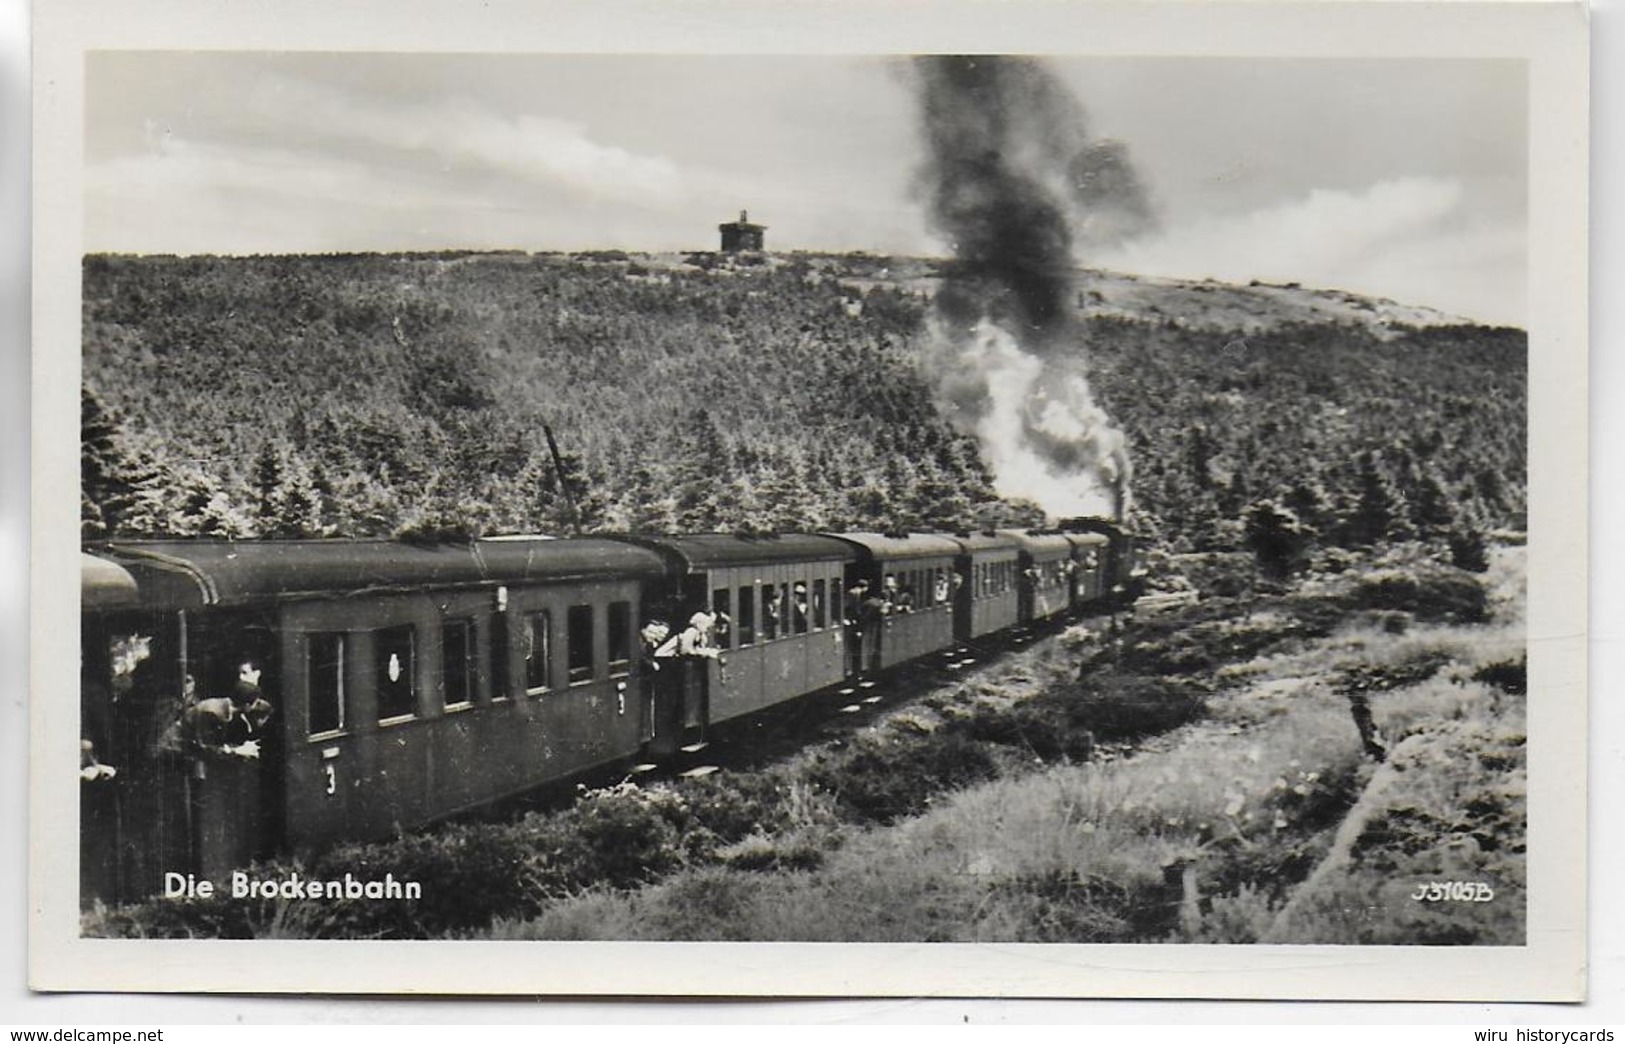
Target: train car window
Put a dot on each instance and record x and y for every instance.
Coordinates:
(799, 608)
(395, 670)
(578, 624)
(457, 662)
(770, 612)
(747, 616)
(722, 633)
(499, 659)
(325, 685)
(819, 618)
(538, 637)
(620, 637)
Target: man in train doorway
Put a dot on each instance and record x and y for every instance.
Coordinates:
(852, 619)
(657, 683)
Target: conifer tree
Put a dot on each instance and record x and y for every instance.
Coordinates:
(1277, 539)
(105, 488)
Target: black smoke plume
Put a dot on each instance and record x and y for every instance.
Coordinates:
(1016, 184)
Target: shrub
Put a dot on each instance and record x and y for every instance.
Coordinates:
(882, 778)
(1470, 551)
(1065, 906)
(1428, 592)
(470, 872)
(1115, 706)
(1411, 669)
(735, 805)
(1041, 725)
(1510, 676)
(620, 836)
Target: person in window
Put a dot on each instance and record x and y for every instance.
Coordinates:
(698, 639)
(903, 601)
(872, 619)
(90, 769)
(940, 594)
(657, 677)
(770, 614)
(798, 608)
(222, 724)
(250, 709)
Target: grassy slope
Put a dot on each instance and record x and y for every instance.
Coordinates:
(1203, 835)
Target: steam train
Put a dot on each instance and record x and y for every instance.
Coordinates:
(407, 683)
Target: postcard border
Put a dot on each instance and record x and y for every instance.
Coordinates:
(1551, 37)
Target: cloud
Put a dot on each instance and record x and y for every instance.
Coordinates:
(1412, 239)
(199, 197)
(308, 168)
(538, 149)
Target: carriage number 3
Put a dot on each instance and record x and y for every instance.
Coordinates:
(1453, 891)
(332, 779)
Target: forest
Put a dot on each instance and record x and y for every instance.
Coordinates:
(416, 396)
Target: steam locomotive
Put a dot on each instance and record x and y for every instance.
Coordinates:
(408, 683)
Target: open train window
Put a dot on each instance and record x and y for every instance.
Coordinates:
(747, 616)
(538, 638)
(818, 613)
(395, 669)
(770, 612)
(578, 625)
(722, 633)
(799, 608)
(620, 637)
(499, 659)
(325, 673)
(457, 662)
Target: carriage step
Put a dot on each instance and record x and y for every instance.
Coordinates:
(866, 684)
(851, 708)
(645, 767)
(694, 748)
(871, 699)
(698, 771)
(848, 692)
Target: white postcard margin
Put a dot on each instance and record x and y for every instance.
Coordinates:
(1551, 37)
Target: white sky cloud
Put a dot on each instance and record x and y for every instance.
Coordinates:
(1411, 239)
(544, 151)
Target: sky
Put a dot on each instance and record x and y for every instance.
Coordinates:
(1402, 178)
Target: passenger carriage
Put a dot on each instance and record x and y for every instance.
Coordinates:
(407, 683)
(1091, 553)
(913, 575)
(986, 601)
(779, 600)
(1045, 577)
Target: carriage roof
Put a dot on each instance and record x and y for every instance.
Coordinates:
(187, 573)
(893, 548)
(720, 550)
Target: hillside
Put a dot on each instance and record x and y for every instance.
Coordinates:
(390, 394)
